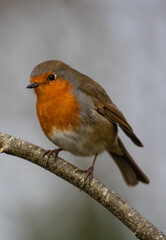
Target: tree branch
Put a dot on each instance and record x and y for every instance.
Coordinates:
(141, 227)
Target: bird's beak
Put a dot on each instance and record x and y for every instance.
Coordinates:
(33, 85)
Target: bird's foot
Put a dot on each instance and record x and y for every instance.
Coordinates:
(88, 175)
(89, 172)
(48, 154)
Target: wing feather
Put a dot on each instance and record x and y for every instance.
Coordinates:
(107, 108)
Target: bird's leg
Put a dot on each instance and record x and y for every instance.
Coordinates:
(48, 154)
(89, 171)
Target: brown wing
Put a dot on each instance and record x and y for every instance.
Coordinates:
(107, 108)
(111, 112)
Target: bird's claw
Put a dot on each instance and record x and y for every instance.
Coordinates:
(48, 154)
(88, 175)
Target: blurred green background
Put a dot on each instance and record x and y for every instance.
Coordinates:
(120, 44)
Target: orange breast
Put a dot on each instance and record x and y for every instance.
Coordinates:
(57, 106)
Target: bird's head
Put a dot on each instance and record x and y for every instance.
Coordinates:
(50, 76)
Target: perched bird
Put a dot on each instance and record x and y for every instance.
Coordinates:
(77, 115)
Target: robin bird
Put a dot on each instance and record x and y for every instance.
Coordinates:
(77, 115)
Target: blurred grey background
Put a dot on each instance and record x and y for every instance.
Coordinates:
(120, 44)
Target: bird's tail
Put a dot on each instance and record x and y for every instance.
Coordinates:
(131, 173)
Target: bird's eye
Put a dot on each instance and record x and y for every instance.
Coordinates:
(52, 77)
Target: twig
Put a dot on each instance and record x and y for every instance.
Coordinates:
(141, 227)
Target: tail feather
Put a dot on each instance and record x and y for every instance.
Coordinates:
(131, 173)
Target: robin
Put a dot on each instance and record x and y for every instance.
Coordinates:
(77, 115)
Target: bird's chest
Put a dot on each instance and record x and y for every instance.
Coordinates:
(62, 111)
